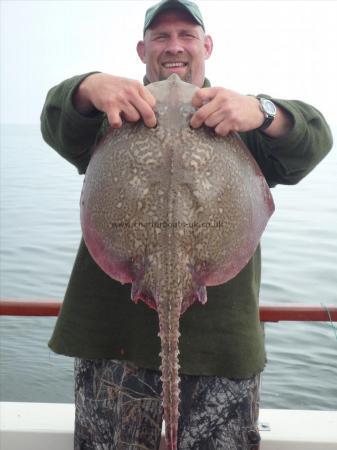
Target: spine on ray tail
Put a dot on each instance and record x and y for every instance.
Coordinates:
(169, 310)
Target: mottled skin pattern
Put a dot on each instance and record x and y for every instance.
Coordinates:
(171, 210)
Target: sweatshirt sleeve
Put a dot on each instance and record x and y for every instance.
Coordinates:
(67, 131)
(288, 159)
(284, 160)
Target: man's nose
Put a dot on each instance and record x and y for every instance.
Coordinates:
(174, 47)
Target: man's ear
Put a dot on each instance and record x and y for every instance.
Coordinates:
(208, 46)
(141, 50)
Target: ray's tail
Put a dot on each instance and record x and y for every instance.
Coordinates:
(169, 309)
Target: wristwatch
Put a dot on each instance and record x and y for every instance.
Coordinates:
(269, 110)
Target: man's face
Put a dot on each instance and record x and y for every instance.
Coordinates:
(175, 44)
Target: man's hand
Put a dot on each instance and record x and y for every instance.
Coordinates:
(226, 111)
(117, 97)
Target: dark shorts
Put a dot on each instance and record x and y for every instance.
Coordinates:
(118, 407)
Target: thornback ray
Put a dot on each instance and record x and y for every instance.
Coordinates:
(172, 210)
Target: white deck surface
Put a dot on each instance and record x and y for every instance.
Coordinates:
(41, 426)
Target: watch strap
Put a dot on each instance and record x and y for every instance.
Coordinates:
(268, 118)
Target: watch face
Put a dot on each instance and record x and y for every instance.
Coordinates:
(268, 106)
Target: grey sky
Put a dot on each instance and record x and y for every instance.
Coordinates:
(283, 48)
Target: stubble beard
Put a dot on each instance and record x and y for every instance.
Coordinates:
(187, 77)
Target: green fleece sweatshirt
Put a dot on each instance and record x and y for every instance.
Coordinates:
(223, 337)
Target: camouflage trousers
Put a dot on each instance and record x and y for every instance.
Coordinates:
(118, 407)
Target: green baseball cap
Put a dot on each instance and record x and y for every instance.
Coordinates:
(186, 5)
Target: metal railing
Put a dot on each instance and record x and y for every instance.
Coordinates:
(275, 313)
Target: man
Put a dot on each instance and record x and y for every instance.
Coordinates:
(115, 342)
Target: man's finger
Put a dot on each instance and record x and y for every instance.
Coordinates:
(130, 113)
(202, 96)
(215, 118)
(145, 110)
(222, 129)
(147, 96)
(202, 114)
(114, 119)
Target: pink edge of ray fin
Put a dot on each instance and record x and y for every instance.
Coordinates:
(137, 295)
(199, 295)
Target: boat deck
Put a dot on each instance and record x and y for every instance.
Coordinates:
(37, 426)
